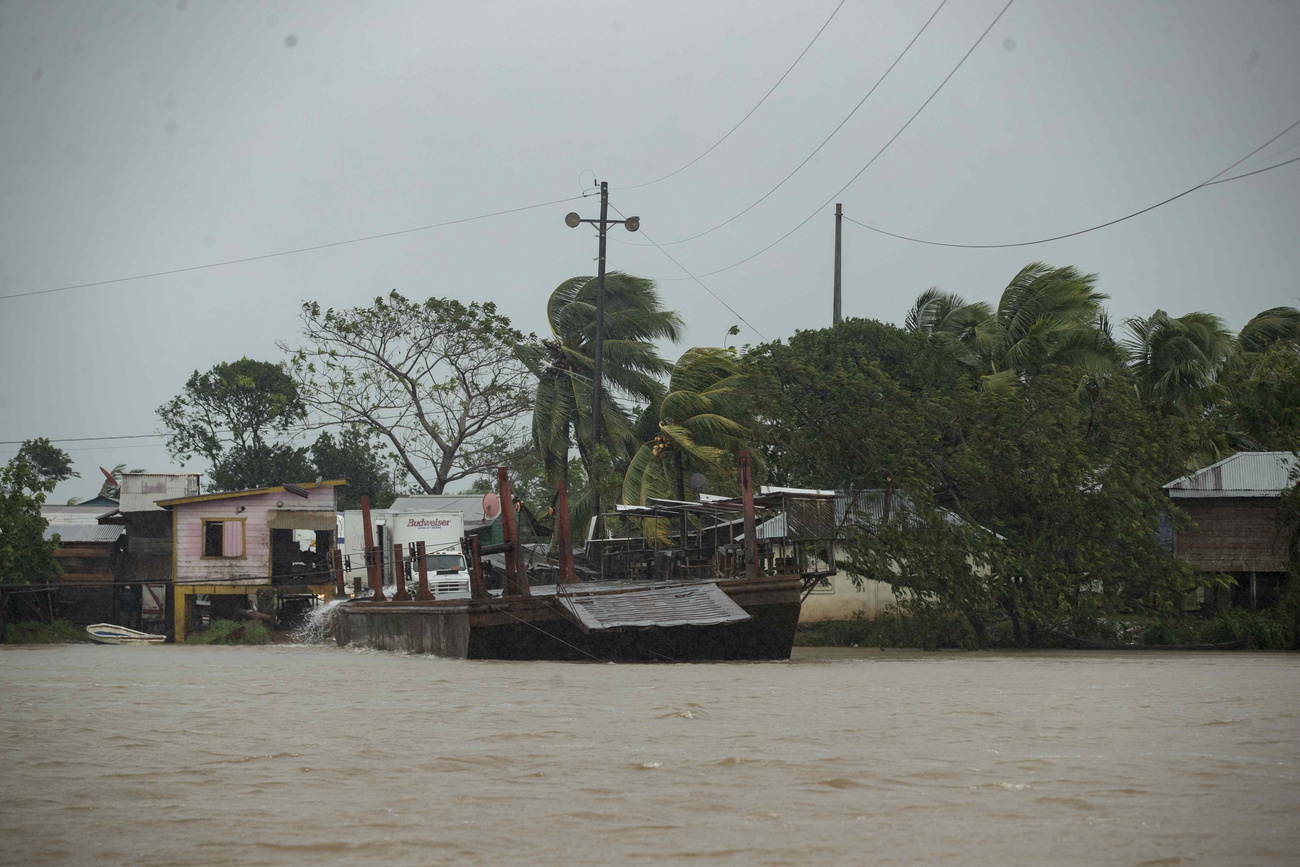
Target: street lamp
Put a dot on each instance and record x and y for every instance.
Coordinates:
(572, 220)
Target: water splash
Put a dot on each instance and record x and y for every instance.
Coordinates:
(316, 628)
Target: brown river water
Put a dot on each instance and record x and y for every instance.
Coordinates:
(315, 755)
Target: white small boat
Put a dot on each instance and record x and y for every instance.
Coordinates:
(108, 633)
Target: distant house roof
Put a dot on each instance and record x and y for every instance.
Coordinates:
(81, 513)
(1245, 474)
(251, 492)
(866, 507)
(83, 533)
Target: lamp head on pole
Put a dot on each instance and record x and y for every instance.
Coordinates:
(572, 220)
(632, 223)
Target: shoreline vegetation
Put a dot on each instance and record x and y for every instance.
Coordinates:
(1233, 629)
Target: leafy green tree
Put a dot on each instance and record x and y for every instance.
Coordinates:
(700, 422)
(26, 557)
(51, 463)
(563, 365)
(1045, 317)
(233, 415)
(1068, 503)
(356, 456)
(844, 407)
(438, 381)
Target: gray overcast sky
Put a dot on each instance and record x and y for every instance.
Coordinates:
(143, 136)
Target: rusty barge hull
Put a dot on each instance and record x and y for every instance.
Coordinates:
(543, 627)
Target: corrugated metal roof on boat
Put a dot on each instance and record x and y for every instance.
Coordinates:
(1245, 474)
(689, 605)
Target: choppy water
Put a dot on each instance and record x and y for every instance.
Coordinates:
(287, 755)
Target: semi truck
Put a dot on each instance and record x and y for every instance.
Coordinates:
(441, 533)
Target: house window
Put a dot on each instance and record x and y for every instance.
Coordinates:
(223, 538)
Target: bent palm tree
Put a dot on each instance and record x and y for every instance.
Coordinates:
(564, 365)
(1175, 361)
(697, 426)
(1046, 316)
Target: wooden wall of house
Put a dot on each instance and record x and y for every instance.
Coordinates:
(1232, 534)
(255, 566)
(86, 562)
(148, 554)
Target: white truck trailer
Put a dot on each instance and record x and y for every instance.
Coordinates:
(441, 533)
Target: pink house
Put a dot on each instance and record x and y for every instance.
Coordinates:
(228, 544)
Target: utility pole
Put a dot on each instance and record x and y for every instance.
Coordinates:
(572, 220)
(839, 217)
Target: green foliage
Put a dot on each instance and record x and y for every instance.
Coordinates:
(243, 404)
(847, 407)
(34, 632)
(701, 427)
(26, 557)
(1262, 628)
(438, 381)
(230, 632)
(1046, 317)
(563, 365)
(51, 463)
(356, 456)
(1175, 362)
(239, 467)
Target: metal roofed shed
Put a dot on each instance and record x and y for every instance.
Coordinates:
(1233, 506)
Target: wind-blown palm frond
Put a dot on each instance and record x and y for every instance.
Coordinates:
(1175, 362)
(1274, 324)
(564, 365)
(698, 425)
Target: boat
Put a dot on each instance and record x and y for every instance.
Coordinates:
(686, 586)
(109, 633)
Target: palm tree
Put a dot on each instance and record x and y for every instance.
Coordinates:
(1046, 316)
(1175, 362)
(697, 426)
(1270, 326)
(563, 365)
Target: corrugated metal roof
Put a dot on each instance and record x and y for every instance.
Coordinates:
(78, 514)
(1245, 474)
(70, 533)
(693, 605)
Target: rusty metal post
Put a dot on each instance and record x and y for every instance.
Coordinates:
(477, 589)
(399, 575)
(340, 585)
(567, 575)
(372, 555)
(516, 580)
(423, 594)
(751, 528)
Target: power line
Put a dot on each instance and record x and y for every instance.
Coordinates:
(832, 198)
(816, 150)
(291, 252)
(1211, 181)
(691, 276)
(89, 439)
(816, 36)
